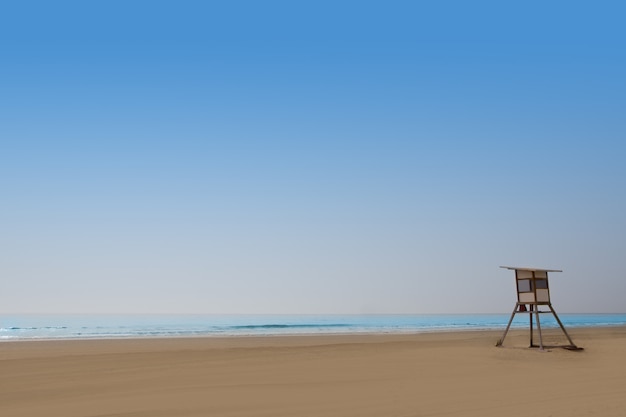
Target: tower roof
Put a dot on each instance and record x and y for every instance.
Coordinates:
(518, 268)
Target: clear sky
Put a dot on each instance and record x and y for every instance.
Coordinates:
(310, 157)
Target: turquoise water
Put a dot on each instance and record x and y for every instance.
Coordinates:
(32, 327)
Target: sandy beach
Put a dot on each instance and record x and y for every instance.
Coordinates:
(436, 374)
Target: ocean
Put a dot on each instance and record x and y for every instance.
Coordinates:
(40, 327)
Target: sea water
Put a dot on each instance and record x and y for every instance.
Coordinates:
(36, 327)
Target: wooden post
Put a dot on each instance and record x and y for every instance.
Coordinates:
(539, 329)
(530, 315)
(508, 326)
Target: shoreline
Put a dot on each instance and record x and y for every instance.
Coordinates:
(208, 335)
(550, 329)
(63, 327)
(516, 339)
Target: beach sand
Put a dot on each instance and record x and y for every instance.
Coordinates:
(436, 374)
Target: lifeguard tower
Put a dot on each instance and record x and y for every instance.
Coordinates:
(533, 292)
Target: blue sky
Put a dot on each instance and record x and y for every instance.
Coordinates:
(310, 157)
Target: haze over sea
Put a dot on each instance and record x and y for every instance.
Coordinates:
(35, 327)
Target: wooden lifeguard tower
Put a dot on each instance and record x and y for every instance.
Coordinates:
(533, 291)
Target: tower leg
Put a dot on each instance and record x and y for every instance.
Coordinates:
(539, 328)
(530, 315)
(499, 343)
(561, 325)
